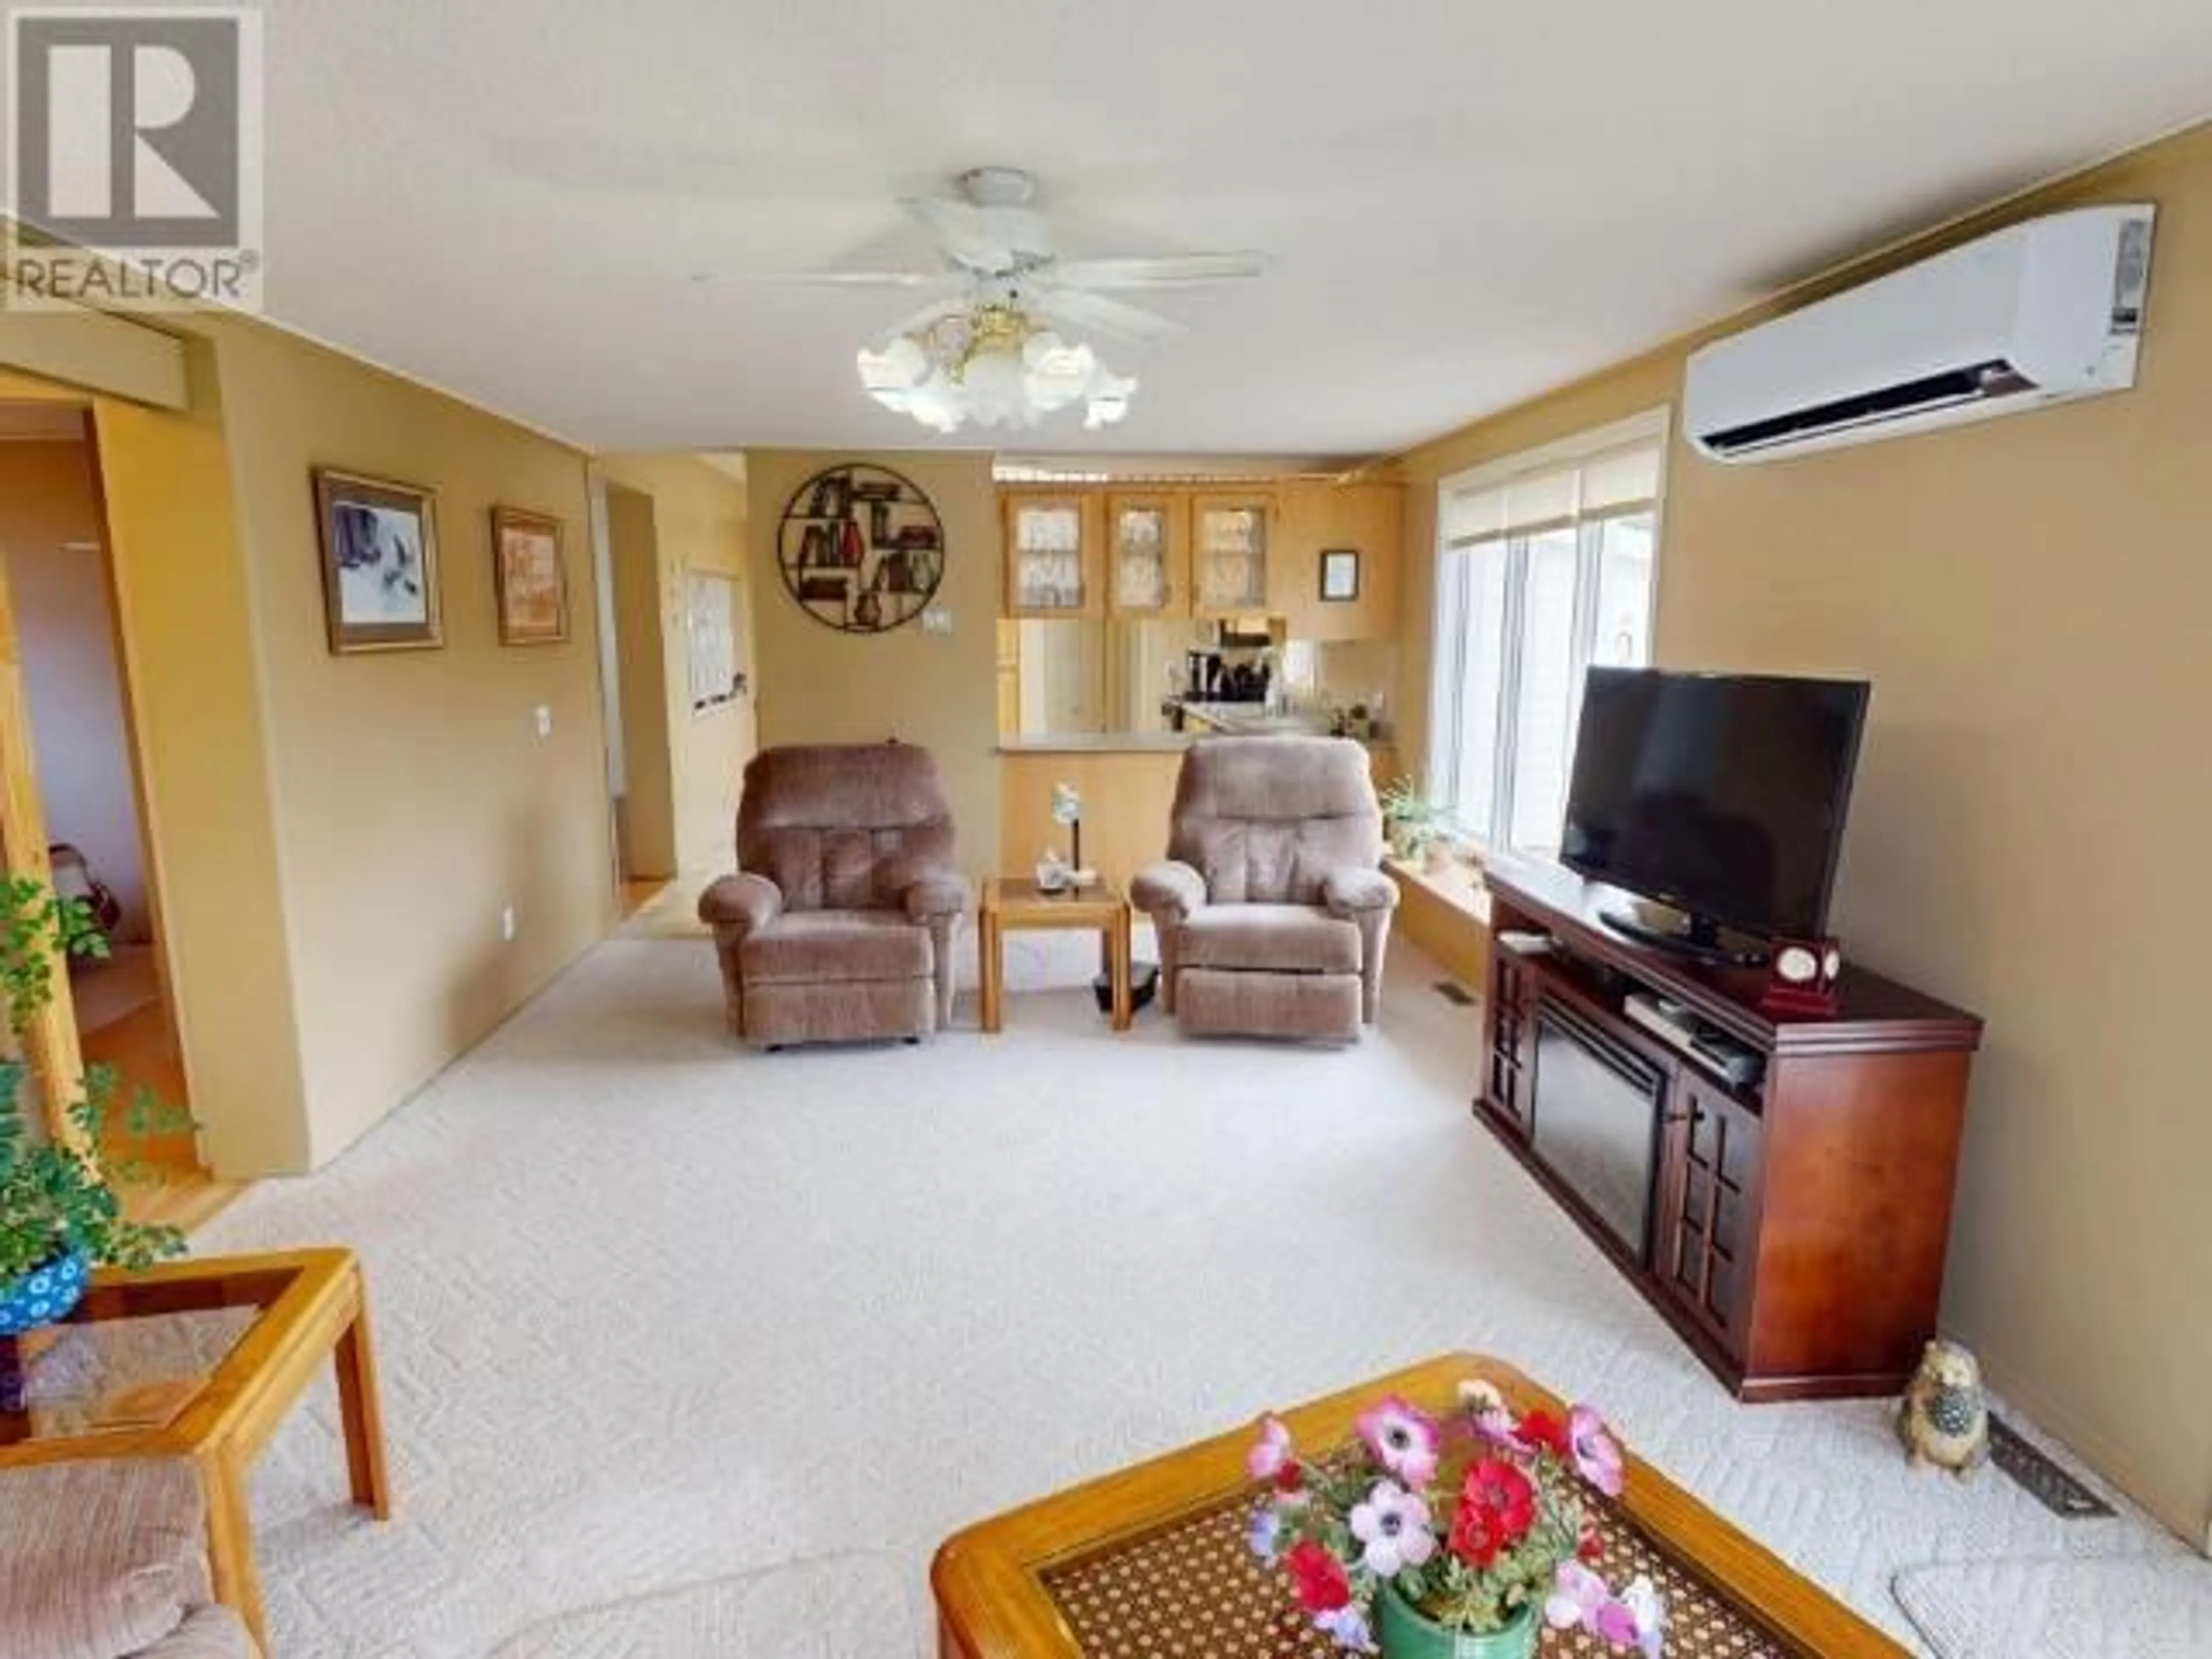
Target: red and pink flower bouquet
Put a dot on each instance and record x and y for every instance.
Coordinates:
(1453, 1537)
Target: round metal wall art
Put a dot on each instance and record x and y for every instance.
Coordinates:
(861, 548)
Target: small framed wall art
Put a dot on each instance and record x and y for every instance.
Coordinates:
(380, 548)
(532, 584)
(1339, 574)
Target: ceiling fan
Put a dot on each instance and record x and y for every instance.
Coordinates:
(988, 348)
(994, 244)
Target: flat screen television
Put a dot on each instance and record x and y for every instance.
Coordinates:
(1720, 795)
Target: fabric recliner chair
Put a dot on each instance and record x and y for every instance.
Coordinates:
(108, 1559)
(1273, 913)
(840, 924)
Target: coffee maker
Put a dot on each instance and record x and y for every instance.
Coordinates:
(1202, 674)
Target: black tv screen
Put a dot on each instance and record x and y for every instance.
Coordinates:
(1721, 795)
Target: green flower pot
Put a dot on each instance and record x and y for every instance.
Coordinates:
(1402, 1632)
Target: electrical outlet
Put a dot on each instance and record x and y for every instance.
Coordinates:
(937, 620)
(544, 719)
(507, 924)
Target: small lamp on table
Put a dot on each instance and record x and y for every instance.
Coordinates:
(1067, 809)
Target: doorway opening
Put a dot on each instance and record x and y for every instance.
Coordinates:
(68, 714)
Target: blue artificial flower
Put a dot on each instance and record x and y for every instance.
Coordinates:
(1347, 1628)
(1263, 1533)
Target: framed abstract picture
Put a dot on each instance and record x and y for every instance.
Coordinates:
(1339, 575)
(380, 547)
(533, 587)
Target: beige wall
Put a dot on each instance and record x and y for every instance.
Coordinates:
(415, 798)
(335, 837)
(697, 522)
(51, 531)
(2032, 601)
(818, 685)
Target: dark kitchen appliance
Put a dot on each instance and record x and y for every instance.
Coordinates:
(1203, 673)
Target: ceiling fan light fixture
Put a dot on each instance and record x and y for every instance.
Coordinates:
(994, 365)
(1109, 396)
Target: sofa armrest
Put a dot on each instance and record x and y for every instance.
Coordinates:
(745, 902)
(1169, 892)
(939, 894)
(1351, 891)
(206, 1633)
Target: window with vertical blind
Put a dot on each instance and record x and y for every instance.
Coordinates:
(1546, 567)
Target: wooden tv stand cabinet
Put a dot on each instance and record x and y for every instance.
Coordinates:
(1794, 1227)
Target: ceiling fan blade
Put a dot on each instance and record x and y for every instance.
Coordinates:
(1095, 310)
(992, 241)
(1170, 270)
(915, 321)
(923, 279)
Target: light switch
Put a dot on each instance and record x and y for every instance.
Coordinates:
(544, 719)
(937, 620)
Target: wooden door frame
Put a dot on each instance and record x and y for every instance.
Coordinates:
(50, 1042)
(53, 1045)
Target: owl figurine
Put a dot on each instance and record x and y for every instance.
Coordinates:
(1943, 1418)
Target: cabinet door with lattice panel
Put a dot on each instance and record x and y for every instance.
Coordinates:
(1148, 555)
(1051, 556)
(1230, 534)
(1709, 1219)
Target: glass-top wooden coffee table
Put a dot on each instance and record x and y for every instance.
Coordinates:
(1014, 903)
(1152, 1564)
(200, 1360)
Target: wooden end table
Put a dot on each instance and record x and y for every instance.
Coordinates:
(1013, 902)
(1153, 1559)
(202, 1360)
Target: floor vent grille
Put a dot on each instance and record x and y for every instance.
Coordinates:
(1456, 993)
(2049, 1485)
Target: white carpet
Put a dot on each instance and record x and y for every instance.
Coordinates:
(653, 1310)
(803, 1610)
(2159, 1607)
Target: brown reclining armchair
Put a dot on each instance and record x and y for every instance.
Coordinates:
(839, 926)
(1273, 913)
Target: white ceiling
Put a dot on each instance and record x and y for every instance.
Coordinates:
(1469, 201)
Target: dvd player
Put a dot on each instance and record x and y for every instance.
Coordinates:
(1678, 1026)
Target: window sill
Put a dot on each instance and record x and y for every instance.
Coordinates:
(1458, 885)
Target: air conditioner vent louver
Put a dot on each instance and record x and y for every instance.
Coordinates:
(1948, 390)
(2041, 311)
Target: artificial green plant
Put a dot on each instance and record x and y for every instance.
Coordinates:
(59, 1196)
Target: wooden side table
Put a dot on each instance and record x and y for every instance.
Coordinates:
(244, 1337)
(1012, 904)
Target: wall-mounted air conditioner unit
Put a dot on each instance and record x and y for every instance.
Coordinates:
(2037, 314)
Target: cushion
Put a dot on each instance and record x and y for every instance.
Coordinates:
(118, 1577)
(1258, 861)
(849, 1010)
(1266, 820)
(1278, 939)
(814, 947)
(843, 828)
(1297, 1008)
